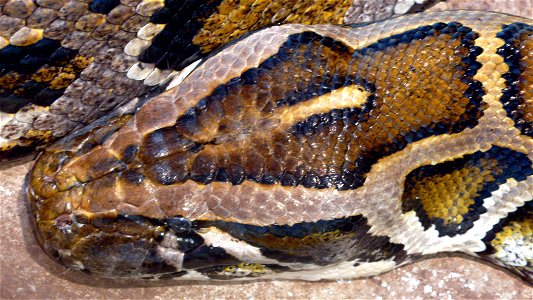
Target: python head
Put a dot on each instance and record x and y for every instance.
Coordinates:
(311, 152)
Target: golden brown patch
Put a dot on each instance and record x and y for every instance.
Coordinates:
(449, 196)
(514, 230)
(11, 80)
(45, 74)
(77, 64)
(234, 18)
(62, 80)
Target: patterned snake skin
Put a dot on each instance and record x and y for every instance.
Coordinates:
(65, 63)
(295, 152)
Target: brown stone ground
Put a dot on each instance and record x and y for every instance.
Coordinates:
(27, 273)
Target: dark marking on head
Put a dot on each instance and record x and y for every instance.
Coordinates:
(129, 153)
(518, 55)
(189, 242)
(323, 242)
(238, 132)
(450, 195)
(179, 224)
(207, 256)
(133, 176)
(163, 142)
(167, 172)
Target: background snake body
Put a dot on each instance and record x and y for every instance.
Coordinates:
(298, 151)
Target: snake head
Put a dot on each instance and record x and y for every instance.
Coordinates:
(344, 153)
(93, 210)
(100, 204)
(68, 227)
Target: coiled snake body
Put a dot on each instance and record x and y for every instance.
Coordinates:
(309, 152)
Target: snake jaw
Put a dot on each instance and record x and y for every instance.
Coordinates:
(66, 225)
(72, 229)
(104, 244)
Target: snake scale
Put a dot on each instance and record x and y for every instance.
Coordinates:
(218, 147)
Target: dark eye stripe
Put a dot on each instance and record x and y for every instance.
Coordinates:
(323, 242)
